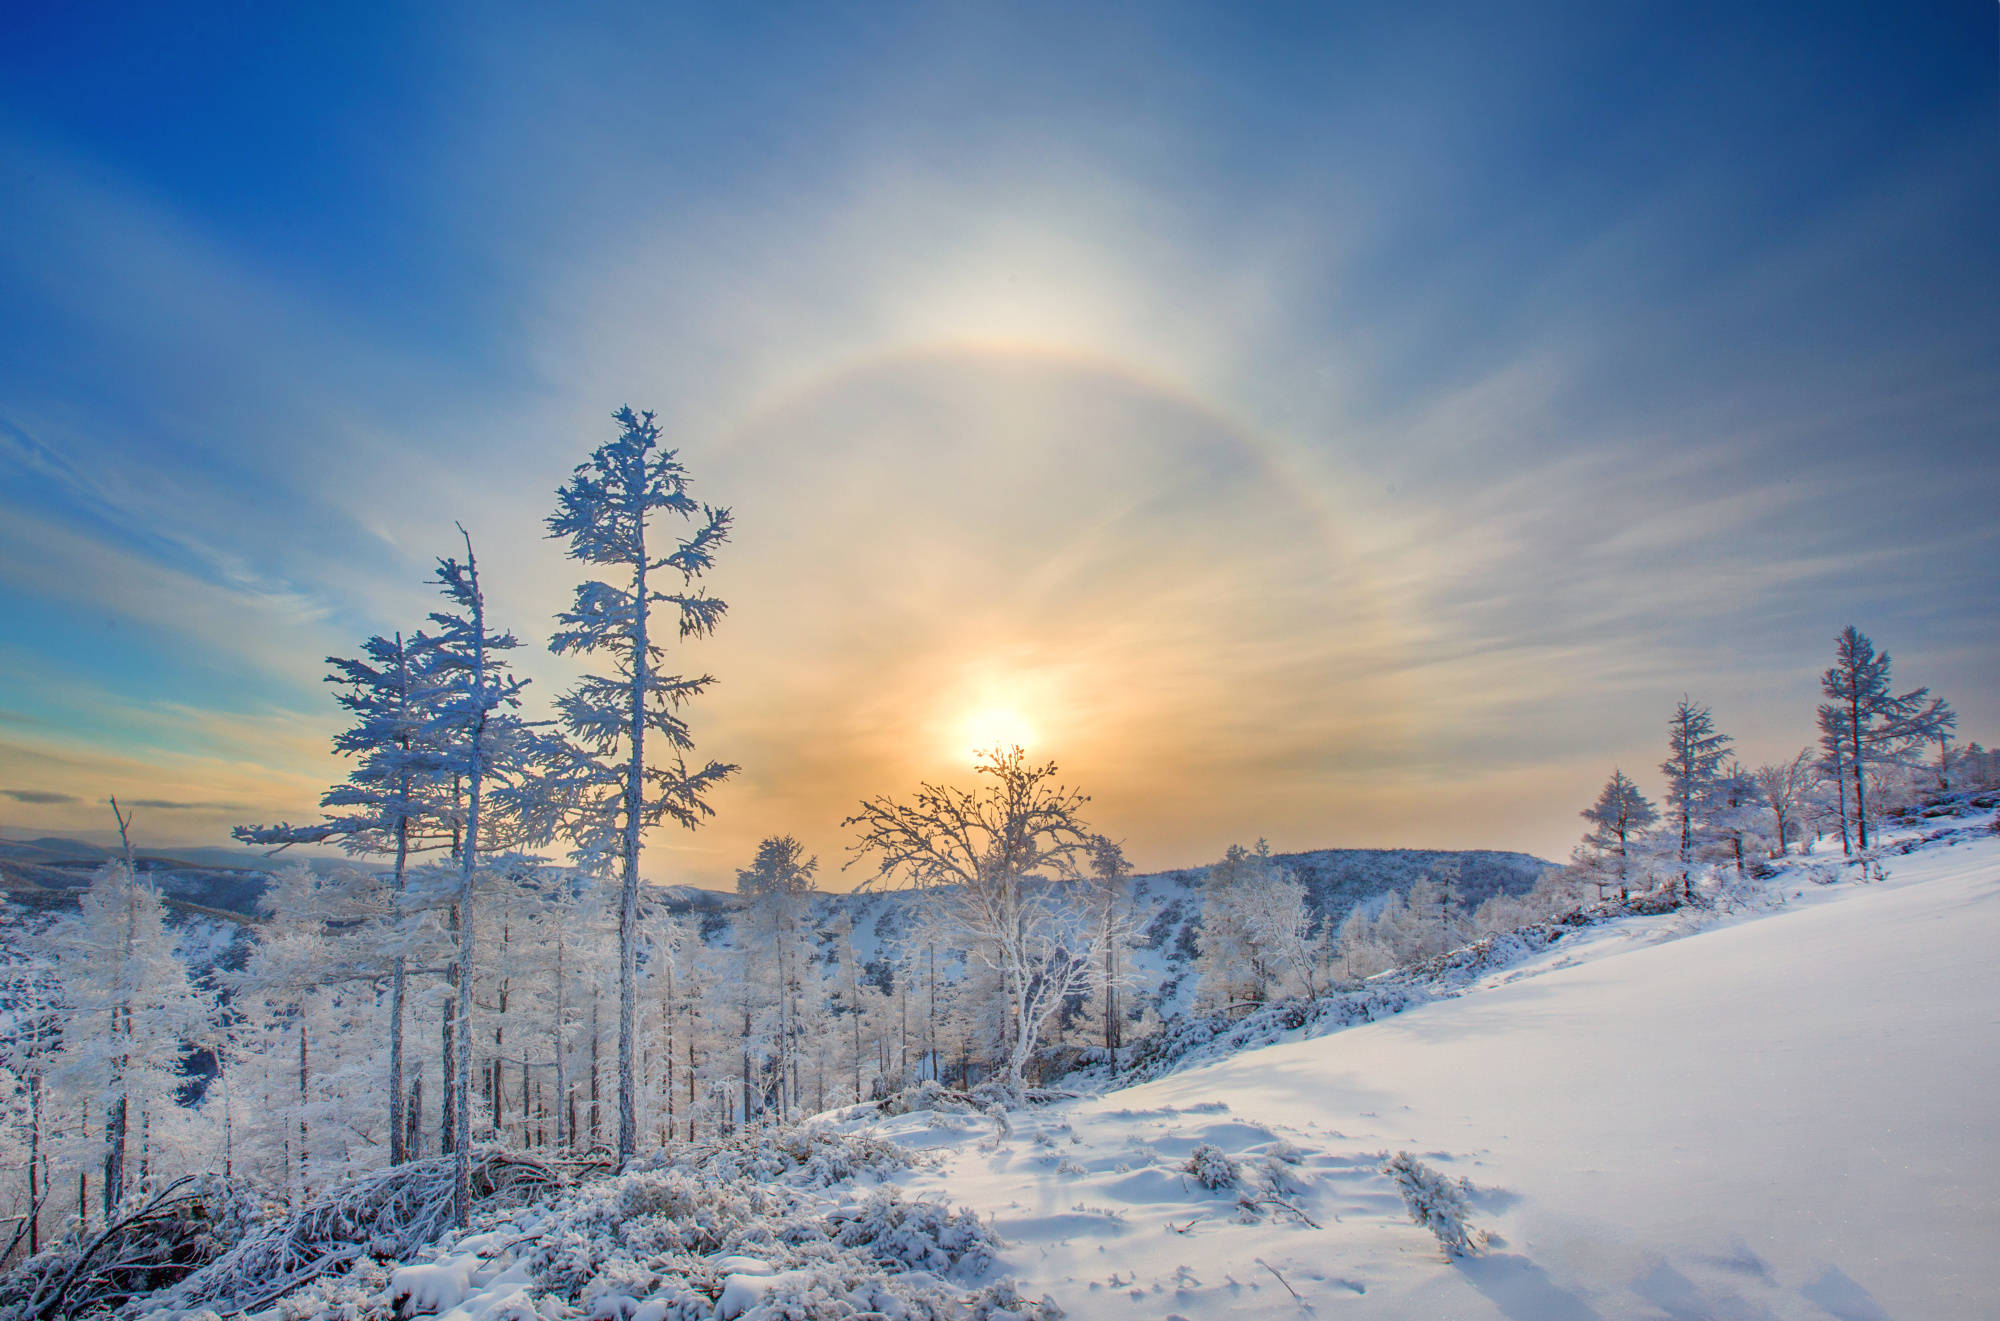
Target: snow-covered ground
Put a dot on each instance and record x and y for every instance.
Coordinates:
(1779, 1108)
(1787, 1114)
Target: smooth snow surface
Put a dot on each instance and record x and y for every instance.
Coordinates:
(1787, 1115)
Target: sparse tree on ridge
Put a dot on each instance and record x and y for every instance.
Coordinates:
(992, 859)
(1863, 724)
(1619, 817)
(1786, 787)
(1693, 769)
(605, 512)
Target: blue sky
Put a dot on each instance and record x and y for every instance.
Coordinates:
(1348, 425)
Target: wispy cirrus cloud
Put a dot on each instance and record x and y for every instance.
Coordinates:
(39, 797)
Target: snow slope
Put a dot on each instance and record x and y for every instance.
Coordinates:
(1786, 1115)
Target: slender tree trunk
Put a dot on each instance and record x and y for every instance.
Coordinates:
(746, 1051)
(565, 1136)
(305, 1075)
(596, 1098)
(399, 1147)
(34, 1162)
(667, 1028)
(398, 991)
(461, 1200)
(414, 1119)
(635, 790)
(448, 1060)
(1854, 746)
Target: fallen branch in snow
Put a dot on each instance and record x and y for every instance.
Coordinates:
(146, 1247)
(388, 1213)
(1281, 1279)
(1254, 1202)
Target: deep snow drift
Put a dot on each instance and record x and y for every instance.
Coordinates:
(1788, 1114)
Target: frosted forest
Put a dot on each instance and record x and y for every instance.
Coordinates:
(479, 1024)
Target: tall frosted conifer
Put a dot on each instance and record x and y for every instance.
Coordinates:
(606, 511)
(1619, 816)
(470, 726)
(389, 804)
(1863, 723)
(1694, 773)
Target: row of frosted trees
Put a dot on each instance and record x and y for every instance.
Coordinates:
(1878, 751)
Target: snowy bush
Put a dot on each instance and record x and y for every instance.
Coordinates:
(1279, 1176)
(1002, 1302)
(803, 1157)
(918, 1235)
(1435, 1202)
(1211, 1168)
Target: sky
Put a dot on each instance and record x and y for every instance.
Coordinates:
(1351, 426)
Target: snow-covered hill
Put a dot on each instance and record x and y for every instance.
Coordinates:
(1773, 1106)
(1781, 1112)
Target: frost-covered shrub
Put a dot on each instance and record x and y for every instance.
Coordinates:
(805, 1157)
(1287, 1152)
(930, 1095)
(918, 1235)
(1435, 1202)
(353, 1296)
(1280, 1177)
(1001, 1301)
(995, 1091)
(1211, 1168)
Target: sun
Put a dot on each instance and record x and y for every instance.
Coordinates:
(989, 727)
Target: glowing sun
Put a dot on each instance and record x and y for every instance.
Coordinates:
(991, 727)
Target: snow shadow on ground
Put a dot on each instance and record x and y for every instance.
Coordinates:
(1523, 1291)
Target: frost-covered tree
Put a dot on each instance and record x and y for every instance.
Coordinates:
(993, 860)
(471, 726)
(393, 803)
(1281, 922)
(1436, 920)
(129, 1014)
(1618, 819)
(777, 888)
(30, 1024)
(1695, 757)
(1109, 903)
(1864, 724)
(606, 512)
(1738, 811)
(1361, 954)
(305, 1008)
(1234, 966)
(1786, 788)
